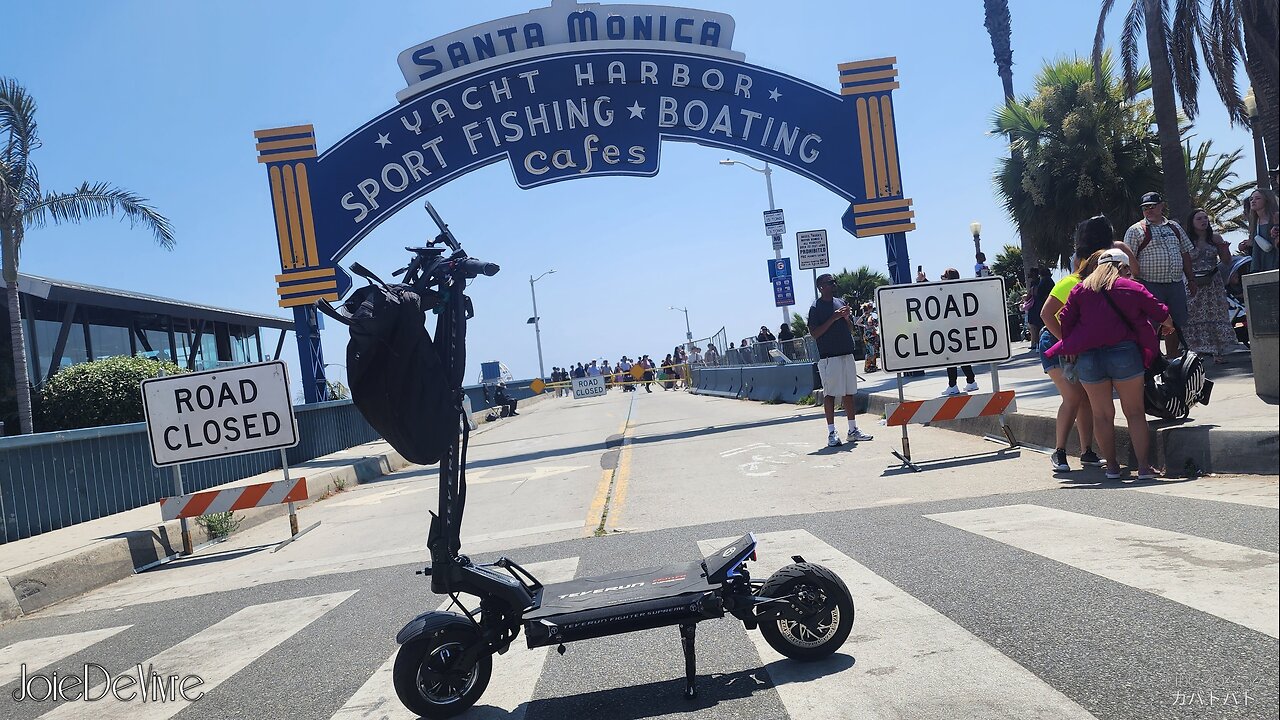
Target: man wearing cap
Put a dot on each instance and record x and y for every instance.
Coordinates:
(831, 325)
(1163, 253)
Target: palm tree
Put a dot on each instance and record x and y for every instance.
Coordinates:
(1081, 148)
(1208, 174)
(860, 285)
(1225, 31)
(23, 205)
(1000, 27)
(1151, 15)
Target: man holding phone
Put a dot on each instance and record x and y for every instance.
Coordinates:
(831, 325)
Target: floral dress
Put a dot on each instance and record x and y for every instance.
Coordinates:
(1208, 329)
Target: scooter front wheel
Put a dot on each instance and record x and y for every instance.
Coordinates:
(824, 626)
(430, 677)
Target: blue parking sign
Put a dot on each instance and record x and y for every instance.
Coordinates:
(779, 268)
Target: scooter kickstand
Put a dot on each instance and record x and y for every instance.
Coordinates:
(687, 633)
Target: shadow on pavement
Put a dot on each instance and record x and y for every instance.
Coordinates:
(666, 698)
(956, 461)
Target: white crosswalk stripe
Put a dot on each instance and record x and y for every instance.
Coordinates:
(41, 652)
(213, 654)
(1235, 583)
(515, 674)
(1261, 492)
(899, 645)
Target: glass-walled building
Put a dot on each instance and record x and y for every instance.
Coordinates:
(66, 322)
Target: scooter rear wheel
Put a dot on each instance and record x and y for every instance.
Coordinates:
(429, 678)
(822, 631)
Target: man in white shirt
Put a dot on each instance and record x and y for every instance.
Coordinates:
(1163, 252)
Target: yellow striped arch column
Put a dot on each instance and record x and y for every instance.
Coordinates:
(305, 276)
(885, 210)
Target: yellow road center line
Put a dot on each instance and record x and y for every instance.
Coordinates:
(600, 504)
(620, 477)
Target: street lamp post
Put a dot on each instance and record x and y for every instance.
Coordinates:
(688, 334)
(1259, 155)
(537, 327)
(975, 227)
(768, 184)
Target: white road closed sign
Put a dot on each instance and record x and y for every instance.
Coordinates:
(586, 387)
(929, 325)
(197, 416)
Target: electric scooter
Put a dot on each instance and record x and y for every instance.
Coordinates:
(445, 660)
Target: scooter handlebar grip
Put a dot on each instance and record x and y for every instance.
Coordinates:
(472, 267)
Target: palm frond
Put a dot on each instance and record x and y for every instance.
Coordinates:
(1187, 26)
(1133, 23)
(96, 201)
(18, 127)
(1099, 39)
(1223, 44)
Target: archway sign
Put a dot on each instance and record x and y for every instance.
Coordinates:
(574, 91)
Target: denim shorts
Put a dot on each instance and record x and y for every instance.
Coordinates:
(1114, 362)
(1047, 341)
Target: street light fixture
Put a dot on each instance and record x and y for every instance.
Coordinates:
(768, 184)
(975, 227)
(688, 334)
(1259, 156)
(537, 329)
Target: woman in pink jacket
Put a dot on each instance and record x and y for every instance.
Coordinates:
(1108, 326)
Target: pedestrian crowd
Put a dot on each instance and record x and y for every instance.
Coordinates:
(669, 374)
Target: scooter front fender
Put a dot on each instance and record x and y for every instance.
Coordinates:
(429, 623)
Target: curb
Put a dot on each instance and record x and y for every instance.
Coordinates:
(1182, 451)
(49, 581)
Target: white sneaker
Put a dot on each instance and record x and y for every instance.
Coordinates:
(951, 391)
(858, 436)
(971, 387)
(833, 439)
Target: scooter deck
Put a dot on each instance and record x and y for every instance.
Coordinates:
(625, 601)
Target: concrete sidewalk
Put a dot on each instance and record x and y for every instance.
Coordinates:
(38, 571)
(1237, 432)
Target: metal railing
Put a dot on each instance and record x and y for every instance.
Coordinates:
(52, 480)
(774, 352)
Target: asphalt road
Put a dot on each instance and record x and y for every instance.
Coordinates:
(985, 587)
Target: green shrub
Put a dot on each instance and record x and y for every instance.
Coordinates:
(102, 392)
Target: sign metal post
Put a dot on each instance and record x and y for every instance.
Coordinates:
(905, 455)
(177, 490)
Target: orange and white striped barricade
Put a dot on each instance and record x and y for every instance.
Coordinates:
(241, 498)
(236, 498)
(958, 407)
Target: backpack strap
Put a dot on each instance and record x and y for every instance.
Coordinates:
(327, 308)
(367, 274)
(1146, 238)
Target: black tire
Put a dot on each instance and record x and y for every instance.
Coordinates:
(826, 630)
(426, 678)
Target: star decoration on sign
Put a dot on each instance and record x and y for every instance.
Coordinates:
(774, 94)
(383, 140)
(636, 110)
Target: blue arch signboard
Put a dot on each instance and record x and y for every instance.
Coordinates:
(565, 92)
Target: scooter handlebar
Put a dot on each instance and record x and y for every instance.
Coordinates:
(471, 267)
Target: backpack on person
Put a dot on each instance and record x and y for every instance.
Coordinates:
(397, 379)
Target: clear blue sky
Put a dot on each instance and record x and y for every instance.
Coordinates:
(163, 98)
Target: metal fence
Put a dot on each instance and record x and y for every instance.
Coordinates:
(52, 480)
(714, 352)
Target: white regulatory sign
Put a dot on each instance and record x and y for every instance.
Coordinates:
(774, 223)
(586, 387)
(811, 246)
(939, 324)
(197, 416)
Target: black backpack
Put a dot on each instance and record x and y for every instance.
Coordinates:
(1173, 386)
(397, 379)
